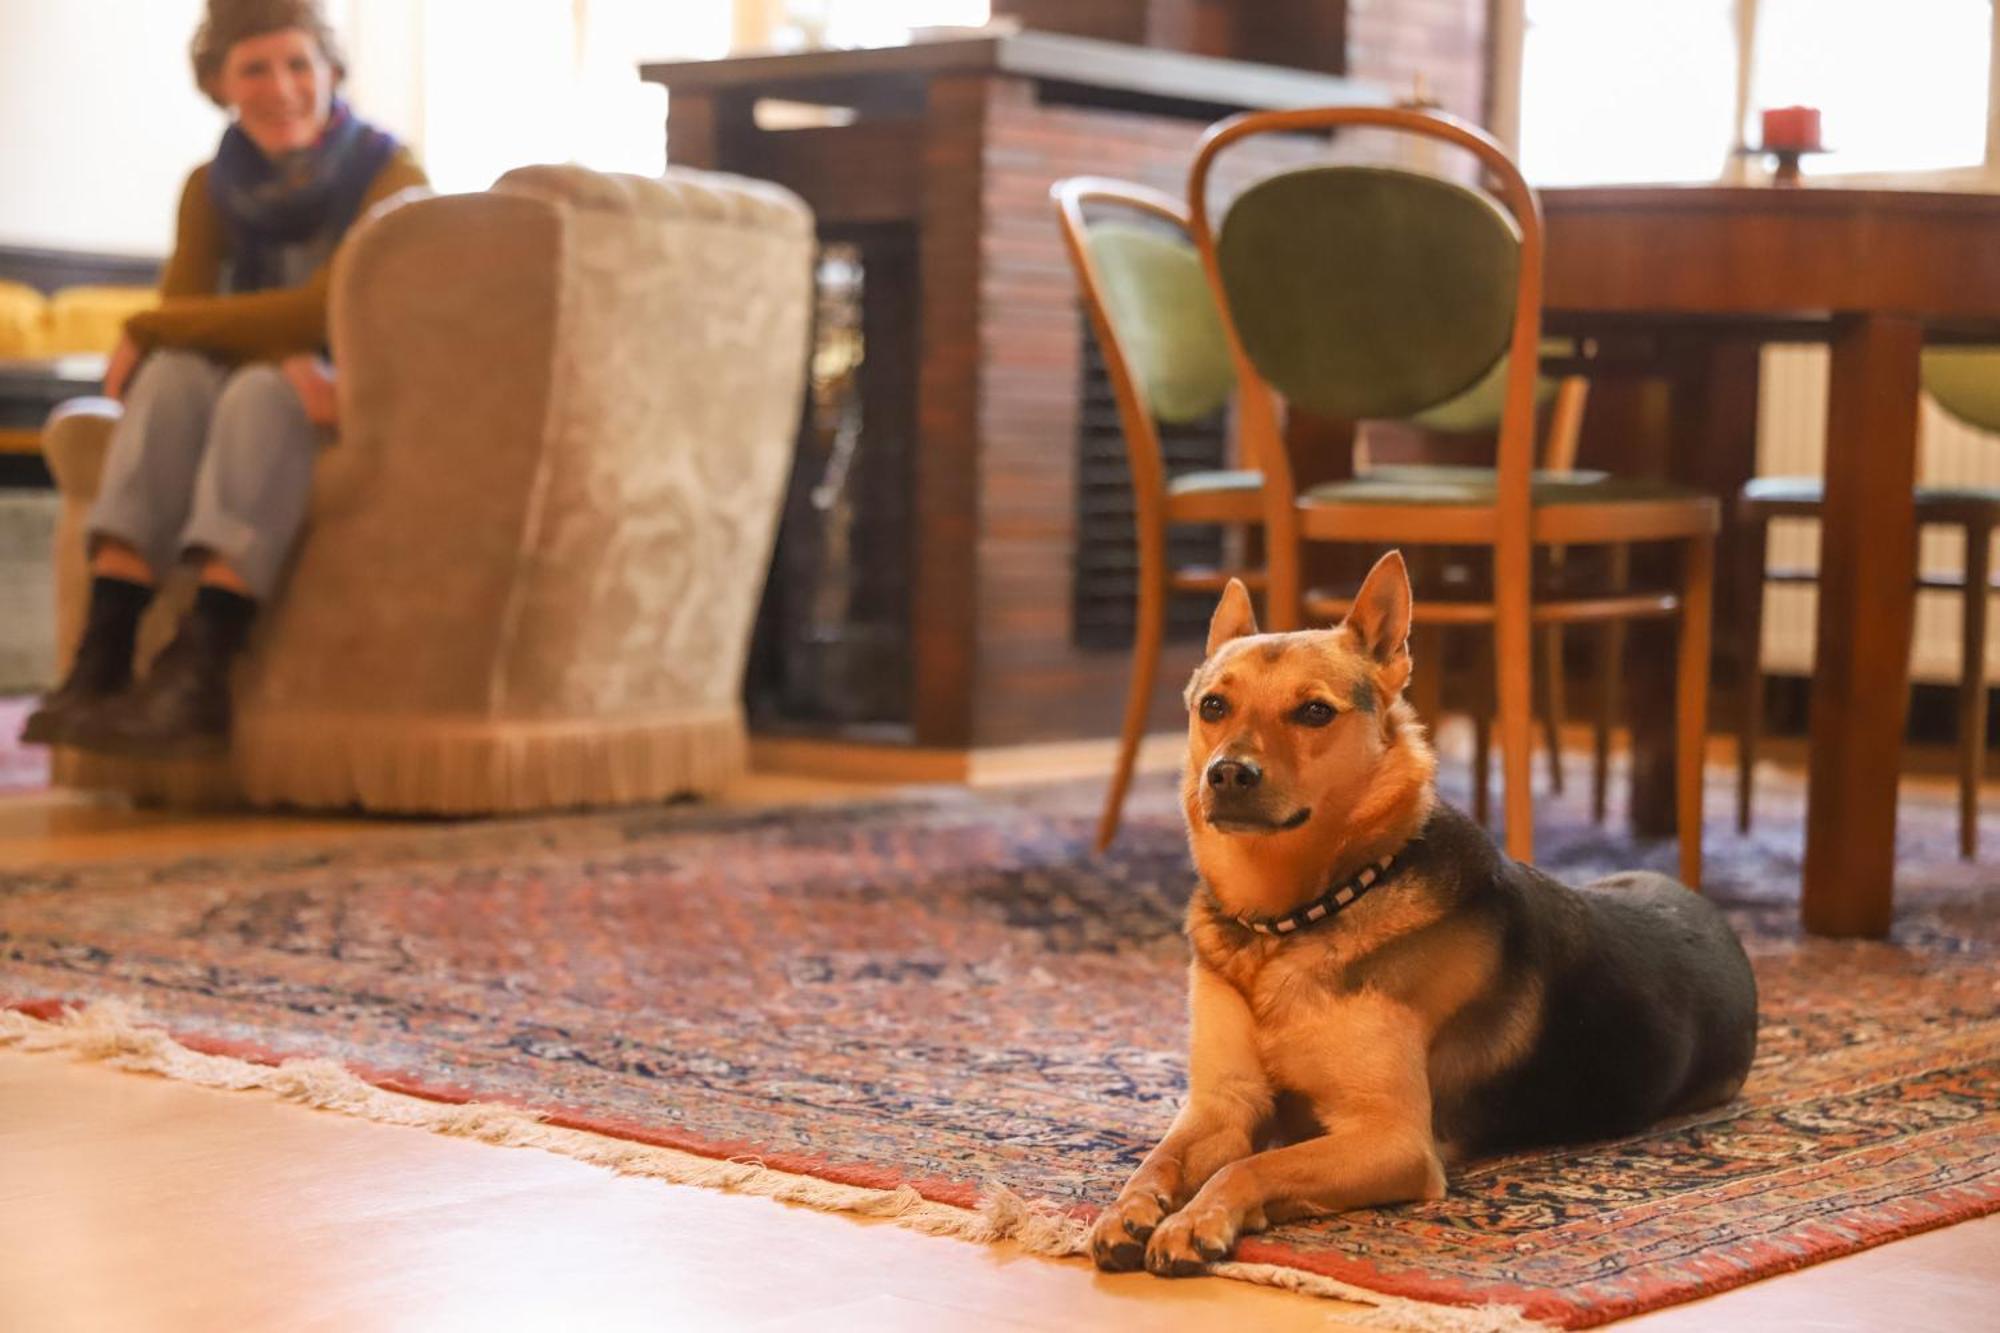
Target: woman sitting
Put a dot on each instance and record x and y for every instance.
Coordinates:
(227, 394)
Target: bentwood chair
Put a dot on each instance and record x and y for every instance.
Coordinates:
(1168, 360)
(1478, 411)
(1365, 292)
(1164, 350)
(1966, 383)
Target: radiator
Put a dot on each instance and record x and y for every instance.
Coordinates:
(1791, 442)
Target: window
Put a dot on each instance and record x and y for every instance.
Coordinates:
(1627, 90)
(479, 89)
(788, 25)
(1638, 90)
(1899, 88)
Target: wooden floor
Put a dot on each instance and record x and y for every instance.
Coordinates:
(130, 1202)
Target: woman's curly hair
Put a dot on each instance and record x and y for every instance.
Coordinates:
(228, 22)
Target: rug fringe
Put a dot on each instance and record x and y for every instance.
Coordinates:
(116, 1034)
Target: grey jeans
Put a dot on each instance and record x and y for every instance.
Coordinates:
(209, 459)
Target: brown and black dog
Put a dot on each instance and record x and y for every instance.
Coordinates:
(1376, 991)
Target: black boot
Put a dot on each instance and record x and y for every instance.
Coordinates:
(102, 666)
(181, 709)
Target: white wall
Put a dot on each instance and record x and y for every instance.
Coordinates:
(100, 122)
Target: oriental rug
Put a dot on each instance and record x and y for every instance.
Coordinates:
(949, 996)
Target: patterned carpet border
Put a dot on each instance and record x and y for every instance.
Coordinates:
(989, 1215)
(112, 1034)
(1024, 881)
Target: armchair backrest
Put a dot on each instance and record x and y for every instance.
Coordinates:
(568, 406)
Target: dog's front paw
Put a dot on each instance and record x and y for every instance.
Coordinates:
(1118, 1239)
(1190, 1240)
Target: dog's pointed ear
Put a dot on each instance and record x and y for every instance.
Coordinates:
(1380, 617)
(1233, 618)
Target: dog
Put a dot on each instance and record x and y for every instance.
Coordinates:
(1376, 991)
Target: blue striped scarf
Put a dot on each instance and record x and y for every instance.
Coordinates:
(268, 205)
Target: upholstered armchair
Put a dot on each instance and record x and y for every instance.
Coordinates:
(536, 547)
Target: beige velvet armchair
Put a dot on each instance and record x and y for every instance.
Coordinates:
(535, 550)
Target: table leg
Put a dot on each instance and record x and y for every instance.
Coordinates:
(1867, 599)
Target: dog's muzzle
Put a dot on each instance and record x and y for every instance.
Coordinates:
(1228, 776)
(1239, 801)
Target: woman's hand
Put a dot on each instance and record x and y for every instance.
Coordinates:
(118, 370)
(311, 378)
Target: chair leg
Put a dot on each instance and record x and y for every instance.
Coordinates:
(1549, 675)
(1146, 640)
(1514, 653)
(1482, 741)
(1750, 717)
(1427, 675)
(1284, 580)
(1972, 687)
(1691, 699)
(1610, 669)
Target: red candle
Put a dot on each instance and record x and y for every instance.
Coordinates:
(1795, 127)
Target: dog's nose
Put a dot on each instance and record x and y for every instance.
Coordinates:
(1224, 774)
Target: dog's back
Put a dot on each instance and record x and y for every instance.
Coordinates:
(1647, 1005)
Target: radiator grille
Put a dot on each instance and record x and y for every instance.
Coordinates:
(1107, 551)
(1791, 442)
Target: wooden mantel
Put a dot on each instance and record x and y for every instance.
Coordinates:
(941, 174)
(1168, 79)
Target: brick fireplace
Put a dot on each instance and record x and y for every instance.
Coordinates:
(947, 573)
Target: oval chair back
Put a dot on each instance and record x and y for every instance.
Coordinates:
(1364, 292)
(1966, 383)
(1370, 291)
(1480, 408)
(1150, 308)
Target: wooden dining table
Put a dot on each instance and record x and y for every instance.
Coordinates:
(1685, 284)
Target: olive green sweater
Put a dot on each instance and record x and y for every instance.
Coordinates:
(245, 326)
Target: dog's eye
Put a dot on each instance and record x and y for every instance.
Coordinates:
(1314, 713)
(1213, 708)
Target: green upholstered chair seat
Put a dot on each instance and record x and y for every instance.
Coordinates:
(1455, 472)
(1367, 292)
(1812, 491)
(1158, 301)
(1208, 483)
(1957, 495)
(1785, 490)
(1479, 485)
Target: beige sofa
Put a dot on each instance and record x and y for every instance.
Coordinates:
(536, 549)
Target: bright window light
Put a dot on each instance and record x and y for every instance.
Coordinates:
(552, 81)
(1900, 87)
(890, 22)
(1627, 90)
